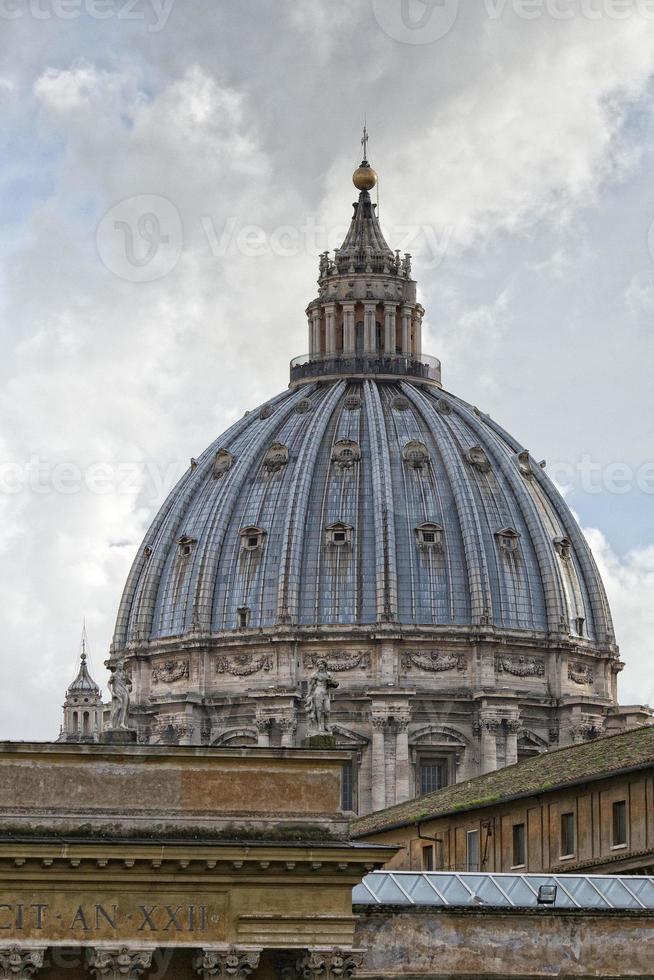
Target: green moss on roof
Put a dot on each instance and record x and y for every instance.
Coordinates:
(543, 773)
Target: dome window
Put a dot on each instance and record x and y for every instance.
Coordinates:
(443, 407)
(266, 412)
(563, 548)
(508, 540)
(185, 546)
(339, 535)
(415, 454)
(243, 617)
(430, 537)
(478, 458)
(222, 463)
(303, 406)
(346, 453)
(276, 458)
(252, 538)
(524, 463)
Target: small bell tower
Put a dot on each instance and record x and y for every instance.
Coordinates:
(83, 707)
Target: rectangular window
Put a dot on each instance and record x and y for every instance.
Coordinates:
(428, 858)
(567, 834)
(620, 823)
(431, 776)
(518, 845)
(347, 787)
(472, 850)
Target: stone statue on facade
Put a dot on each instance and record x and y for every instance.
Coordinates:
(318, 700)
(120, 686)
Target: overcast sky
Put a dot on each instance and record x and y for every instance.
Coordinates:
(515, 144)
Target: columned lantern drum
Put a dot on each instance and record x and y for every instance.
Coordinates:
(368, 518)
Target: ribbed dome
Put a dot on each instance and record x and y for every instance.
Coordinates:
(359, 502)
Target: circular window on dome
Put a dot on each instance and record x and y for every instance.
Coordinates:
(303, 406)
(478, 458)
(266, 412)
(415, 454)
(222, 464)
(353, 403)
(346, 453)
(276, 458)
(401, 404)
(443, 407)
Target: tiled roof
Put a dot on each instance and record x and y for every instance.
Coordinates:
(544, 773)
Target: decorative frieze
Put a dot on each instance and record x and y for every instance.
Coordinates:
(435, 663)
(170, 671)
(21, 962)
(339, 661)
(581, 674)
(233, 963)
(520, 666)
(118, 963)
(244, 664)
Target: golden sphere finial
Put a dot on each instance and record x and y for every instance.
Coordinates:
(364, 178)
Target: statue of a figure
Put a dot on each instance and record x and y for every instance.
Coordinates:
(120, 686)
(318, 700)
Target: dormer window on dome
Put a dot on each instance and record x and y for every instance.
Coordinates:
(185, 546)
(339, 535)
(252, 538)
(563, 547)
(430, 536)
(508, 539)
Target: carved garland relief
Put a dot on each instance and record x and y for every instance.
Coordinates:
(520, 666)
(580, 673)
(244, 664)
(435, 663)
(170, 671)
(338, 662)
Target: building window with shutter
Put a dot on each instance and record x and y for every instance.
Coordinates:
(620, 823)
(519, 857)
(567, 835)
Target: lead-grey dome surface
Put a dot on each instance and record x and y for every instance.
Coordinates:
(356, 502)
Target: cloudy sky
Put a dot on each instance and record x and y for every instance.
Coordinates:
(171, 168)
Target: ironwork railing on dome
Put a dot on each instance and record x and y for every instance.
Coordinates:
(420, 366)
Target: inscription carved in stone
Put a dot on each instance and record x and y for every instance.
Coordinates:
(435, 663)
(338, 662)
(244, 664)
(580, 673)
(171, 671)
(520, 666)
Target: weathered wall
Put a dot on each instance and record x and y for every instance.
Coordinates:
(154, 788)
(479, 944)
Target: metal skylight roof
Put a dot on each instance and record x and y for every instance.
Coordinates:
(449, 889)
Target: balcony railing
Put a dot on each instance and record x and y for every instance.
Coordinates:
(420, 366)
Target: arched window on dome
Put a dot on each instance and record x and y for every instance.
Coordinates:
(252, 538)
(430, 536)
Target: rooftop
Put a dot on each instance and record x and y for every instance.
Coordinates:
(542, 774)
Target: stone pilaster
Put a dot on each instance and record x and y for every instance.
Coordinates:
(262, 725)
(330, 313)
(406, 329)
(349, 339)
(21, 962)
(379, 725)
(118, 962)
(417, 333)
(402, 792)
(369, 321)
(288, 728)
(489, 726)
(235, 963)
(512, 728)
(390, 312)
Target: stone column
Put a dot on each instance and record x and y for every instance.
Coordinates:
(417, 334)
(118, 962)
(378, 763)
(288, 727)
(406, 330)
(330, 312)
(402, 791)
(512, 727)
(489, 728)
(319, 964)
(390, 313)
(234, 962)
(314, 331)
(21, 962)
(349, 341)
(369, 328)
